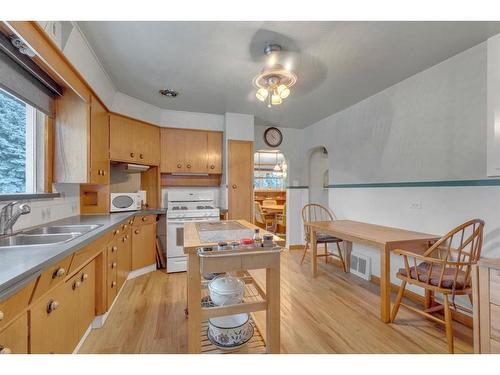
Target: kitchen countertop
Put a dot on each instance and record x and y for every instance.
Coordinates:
(21, 264)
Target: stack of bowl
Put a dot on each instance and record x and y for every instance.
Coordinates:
(230, 331)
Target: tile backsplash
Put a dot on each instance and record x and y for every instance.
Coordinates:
(46, 210)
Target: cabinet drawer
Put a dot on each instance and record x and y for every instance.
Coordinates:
(89, 252)
(495, 321)
(15, 304)
(495, 286)
(51, 277)
(14, 338)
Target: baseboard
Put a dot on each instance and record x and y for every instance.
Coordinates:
(141, 271)
(412, 296)
(82, 340)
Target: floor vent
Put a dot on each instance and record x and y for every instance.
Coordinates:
(360, 266)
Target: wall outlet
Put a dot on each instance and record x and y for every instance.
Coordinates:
(416, 205)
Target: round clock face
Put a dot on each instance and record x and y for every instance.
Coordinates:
(273, 137)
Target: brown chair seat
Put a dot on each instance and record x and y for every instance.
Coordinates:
(326, 238)
(448, 277)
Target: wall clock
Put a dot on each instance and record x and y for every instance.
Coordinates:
(273, 137)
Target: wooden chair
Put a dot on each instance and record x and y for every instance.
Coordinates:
(316, 212)
(443, 268)
(281, 222)
(262, 219)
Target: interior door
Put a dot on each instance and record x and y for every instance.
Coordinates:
(240, 180)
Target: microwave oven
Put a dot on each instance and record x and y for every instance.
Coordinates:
(125, 202)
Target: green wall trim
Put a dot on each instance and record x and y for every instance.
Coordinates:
(450, 183)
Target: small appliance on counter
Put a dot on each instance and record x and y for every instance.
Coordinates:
(120, 202)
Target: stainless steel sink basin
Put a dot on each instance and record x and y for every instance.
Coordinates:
(36, 240)
(60, 229)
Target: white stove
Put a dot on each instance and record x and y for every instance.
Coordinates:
(184, 206)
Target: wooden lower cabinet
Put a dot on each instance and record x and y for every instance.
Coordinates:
(143, 244)
(14, 338)
(86, 298)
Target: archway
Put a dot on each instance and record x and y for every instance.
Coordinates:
(318, 175)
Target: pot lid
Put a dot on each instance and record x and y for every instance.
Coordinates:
(226, 285)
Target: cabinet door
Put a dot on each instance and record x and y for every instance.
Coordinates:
(173, 151)
(14, 339)
(53, 323)
(214, 152)
(146, 144)
(196, 151)
(99, 143)
(143, 245)
(240, 180)
(121, 139)
(86, 298)
(124, 259)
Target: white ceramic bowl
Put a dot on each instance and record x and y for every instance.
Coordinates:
(231, 331)
(226, 290)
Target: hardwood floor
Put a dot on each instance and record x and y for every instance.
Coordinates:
(334, 313)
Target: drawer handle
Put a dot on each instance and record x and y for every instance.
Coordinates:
(132, 154)
(179, 165)
(76, 285)
(52, 305)
(137, 231)
(2, 315)
(113, 265)
(113, 284)
(212, 166)
(5, 350)
(60, 272)
(189, 165)
(141, 156)
(85, 276)
(114, 248)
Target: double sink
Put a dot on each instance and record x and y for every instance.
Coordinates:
(47, 235)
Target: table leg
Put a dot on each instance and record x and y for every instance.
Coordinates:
(194, 303)
(347, 246)
(385, 285)
(273, 308)
(314, 253)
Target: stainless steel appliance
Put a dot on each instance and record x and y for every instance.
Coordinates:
(125, 202)
(184, 206)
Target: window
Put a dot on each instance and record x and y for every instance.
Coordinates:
(21, 146)
(270, 170)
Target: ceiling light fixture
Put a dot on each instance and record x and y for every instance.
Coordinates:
(169, 93)
(274, 81)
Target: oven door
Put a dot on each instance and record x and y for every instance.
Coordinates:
(175, 236)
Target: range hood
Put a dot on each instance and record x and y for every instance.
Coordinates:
(133, 168)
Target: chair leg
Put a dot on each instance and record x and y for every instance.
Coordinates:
(305, 251)
(449, 327)
(326, 252)
(341, 257)
(397, 303)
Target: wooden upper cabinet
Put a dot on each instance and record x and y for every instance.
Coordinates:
(191, 151)
(134, 141)
(99, 143)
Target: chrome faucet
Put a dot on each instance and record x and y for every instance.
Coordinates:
(9, 216)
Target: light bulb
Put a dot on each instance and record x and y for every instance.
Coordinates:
(261, 94)
(275, 99)
(283, 91)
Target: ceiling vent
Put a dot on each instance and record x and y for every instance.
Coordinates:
(169, 93)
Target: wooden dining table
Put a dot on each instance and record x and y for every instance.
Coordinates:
(383, 238)
(274, 208)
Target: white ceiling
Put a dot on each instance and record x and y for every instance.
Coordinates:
(212, 63)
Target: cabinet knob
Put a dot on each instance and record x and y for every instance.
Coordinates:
(113, 265)
(141, 156)
(144, 218)
(212, 166)
(76, 285)
(60, 272)
(2, 315)
(132, 154)
(179, 165)
(113, 284)
(131, 222)
(137, 231)
(116, 232)
(52, 305)
(235, 186)
(85, 276)
(103, 172)
(5, 350)
(125, 238)
(189, 165)
(113, 249)
(124, 226)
